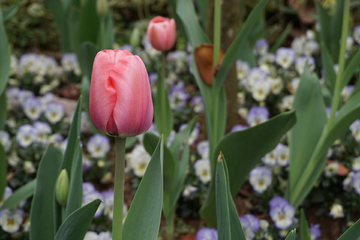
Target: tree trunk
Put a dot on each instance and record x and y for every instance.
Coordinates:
(230, 23)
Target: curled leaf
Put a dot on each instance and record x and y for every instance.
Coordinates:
(204, 55)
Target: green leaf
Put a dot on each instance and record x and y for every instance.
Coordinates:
(4, 56)
(164, 119)
(3, 171)
(243, 153)
(291, 235)
(130, 142)
(24, 192)
(281, 39)
(87, 56)
(311, 115)
(232, 53)
(170, 167)
(41, 213)
(186, 12)
(335, 30)
(3, 110)
(246, 54)
(353, 233)
(328, 64)
(143, 219)
(75, 196)
(228, 222)
(10, 11)
(202, 8)
(304, 229)
(88, 17)
(74, 134)
(73, 16)
(324, 19)
(110, 37)
(350, 69)
(77, 223)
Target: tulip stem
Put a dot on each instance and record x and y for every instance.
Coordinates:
(119, 188)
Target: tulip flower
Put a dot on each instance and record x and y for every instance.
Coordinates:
(120, 94)
(162, 33)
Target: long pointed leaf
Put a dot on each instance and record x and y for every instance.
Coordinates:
(4, 56)
(291, 235)
(3, 171)
(304, 229)
(77, 223)
(24, 192)
(328, 64)
(41, 214)
(280, 40)
(353, 233)
(311, 115)
(3, 110)
(10, 11)
(335, 29)
(143, 219)
(324, 20)
(350, 69)
(242, 151)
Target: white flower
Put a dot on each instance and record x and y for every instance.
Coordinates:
(5, 140)
(242, 69)
(260, 179)
(270, 158)
(284, 57)
(32, 108)
(202, 170)
(295, 84)
(348, 182)
(189, 191)
(276, 85)
(298, 44)
(203, 149)
(13, 159)
(98, 146)
(310, 48)
(139, 160)
(349, 43)
(43, 130)
(310, 34)
(337, 211)
(260, 90)
(54, 112)
(356, 164)
(29, 167)
(10, 221)
(91, 236)
(301, 61)
(356, 34)
(331, 169)
(355, 130)
(282, 152)
(287, 103)
(26, 135)
(346, 92)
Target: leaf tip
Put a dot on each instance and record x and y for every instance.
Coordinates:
(220, 157)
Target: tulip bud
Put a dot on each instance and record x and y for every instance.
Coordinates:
(102, 7)
(135, 37)
(62, 188)
(120, 95)
(162, 33)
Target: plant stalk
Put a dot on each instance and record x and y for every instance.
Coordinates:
(162, 79)
(170, 226)
(119, 188)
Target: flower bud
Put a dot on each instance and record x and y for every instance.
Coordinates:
(62, 188)
(162, 33)
(120, 95)
(102, 7)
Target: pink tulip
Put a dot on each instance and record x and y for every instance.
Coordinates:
(162, 33)
(120, 94)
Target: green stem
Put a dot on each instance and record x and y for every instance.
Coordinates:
(162, 79)
(170, 226)
(102, 33)
(63, 209)
(118, 188)
(217, 32)
(337, 90)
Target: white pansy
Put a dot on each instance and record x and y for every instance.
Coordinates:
(139, 160)
(260, 90)
(337, 211)
(202, 170)
(5, 140)
(331, 169)
(10, 221)
(29, 167)
(54, 112)
(276, 85)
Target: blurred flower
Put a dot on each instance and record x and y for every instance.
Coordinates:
(250, 224)
(7, 193)
(238, 127)
(43, 130)
(260, 89)
(189, 191)
(242, 69)
(32, 108)
(13, 160)
(349, 43)
(139, 160)
(287, 103)
(202, 170)
(260, 179)
(265, 61)
(193, 135)
(98, 146)
(198, 104)
(94, 236)
(355, 165)
(108, 199)
(261, 46)
(55, 139)
(301, 61)
(26, 135)
(356, 34)
(310, 48)
(346, 92)
(355, 130)
(295, 84)
(310, 35)
(70, 63)
(89, 195)
(284, 57)
(257, 115)
(29, 167)
(54, 112)
(11, 220)
(23, 95)
(203, 149)
(331, 169)
(36, 10)
(178, 96)
(207, 234)
(282, 155)
(254, 75)
(298, 44)
(315, 232)
(276, 85)
(336, 211)
(13, 65)
(281, 212)
(356, 182)
(86, 163)
(348, 182)
(5, 140)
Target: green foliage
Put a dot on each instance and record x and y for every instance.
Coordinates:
(20, 195)
(291, 235)
(304, 229)
(3, 110)
(4, 56)
(77, 223)
(9, 12)
(353, 233)
(279, 42)
(41, 214)
(228, 222)
(143, 219)
(3, 172)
